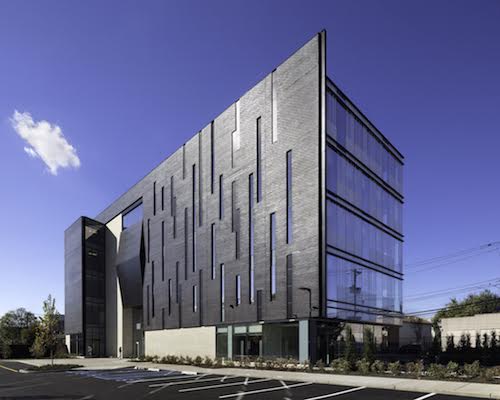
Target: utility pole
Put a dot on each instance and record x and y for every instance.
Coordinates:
(355, 289)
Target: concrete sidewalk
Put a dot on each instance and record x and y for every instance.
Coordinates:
(484, 390)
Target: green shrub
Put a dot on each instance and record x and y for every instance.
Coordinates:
(229, 363)
(182, 360)
(350, 346)
(198, 361)
(259, 362)
(320, 365)
(394, 368)
(217, 363)
(488, 374)
(172, 359)
(415, 369)
(369, 345)
(188, 360)
(472, 370)
(363, 366)
(452, 369)
(340, 365)
(292, 364)
(148, 358)
(208, 362)
(378, 367)
(437, 371)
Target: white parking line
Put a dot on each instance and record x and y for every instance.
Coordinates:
(164, 378)
(425, 396)
(245, 382)
(188, 382)
(272, 389)
(161, 386)
(326, 396)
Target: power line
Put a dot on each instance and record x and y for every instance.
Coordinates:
(444, 264)
(453, 255)
(456, 306)
(470, 286)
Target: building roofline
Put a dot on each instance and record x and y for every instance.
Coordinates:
(204, 126)
(372, 126)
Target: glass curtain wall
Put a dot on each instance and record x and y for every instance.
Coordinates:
(364, 222)
(352, 134)
(349, 182)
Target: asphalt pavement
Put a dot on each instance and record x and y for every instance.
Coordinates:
(131, 384)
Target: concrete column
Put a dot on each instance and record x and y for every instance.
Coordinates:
(67, 341)
(304, 341)
(230, 342)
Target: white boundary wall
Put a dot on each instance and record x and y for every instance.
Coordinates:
(181, 342)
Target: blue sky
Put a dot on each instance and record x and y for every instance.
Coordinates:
(128, 82)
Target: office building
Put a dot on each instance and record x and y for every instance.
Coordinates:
(276, 221)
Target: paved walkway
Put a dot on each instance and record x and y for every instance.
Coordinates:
(484, 390)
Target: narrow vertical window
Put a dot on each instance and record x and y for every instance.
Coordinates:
(174, 221)
(235, 135)
(193, 221)
(251, 260)
(274, 111)
(195, 298)
(186, 243)
(177, 289)
(172, 196)
(238, 290)
(163, 198)
(149, 240)
(173, 208)
(272, 245)
(154, 198)
(147, 304)
(153, 289)
(233, 203)
(237, 234)
(169, 296)
(222, 294)
(289, 286)
(259, 160)
(289, 214)
(221, 197)
(183, 161)
(200, 297)
(162, 250)
(200, 181)
(212, 158)
(213, 249)
(179, 304)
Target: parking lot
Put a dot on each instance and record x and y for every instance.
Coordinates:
(131, 383)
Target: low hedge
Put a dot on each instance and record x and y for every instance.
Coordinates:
(416, 370)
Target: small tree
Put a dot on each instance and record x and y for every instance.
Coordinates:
(46, 336)
(350, 346)
(450, 344)
(369, 345)
(478, 341)
(486, 341)
(464, 343)
(493, 340)
(16, 328)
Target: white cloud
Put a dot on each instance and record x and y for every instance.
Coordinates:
(46, 141)
(30, 152)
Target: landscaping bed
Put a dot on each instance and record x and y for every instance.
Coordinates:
(52, 368)
(472, 372)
